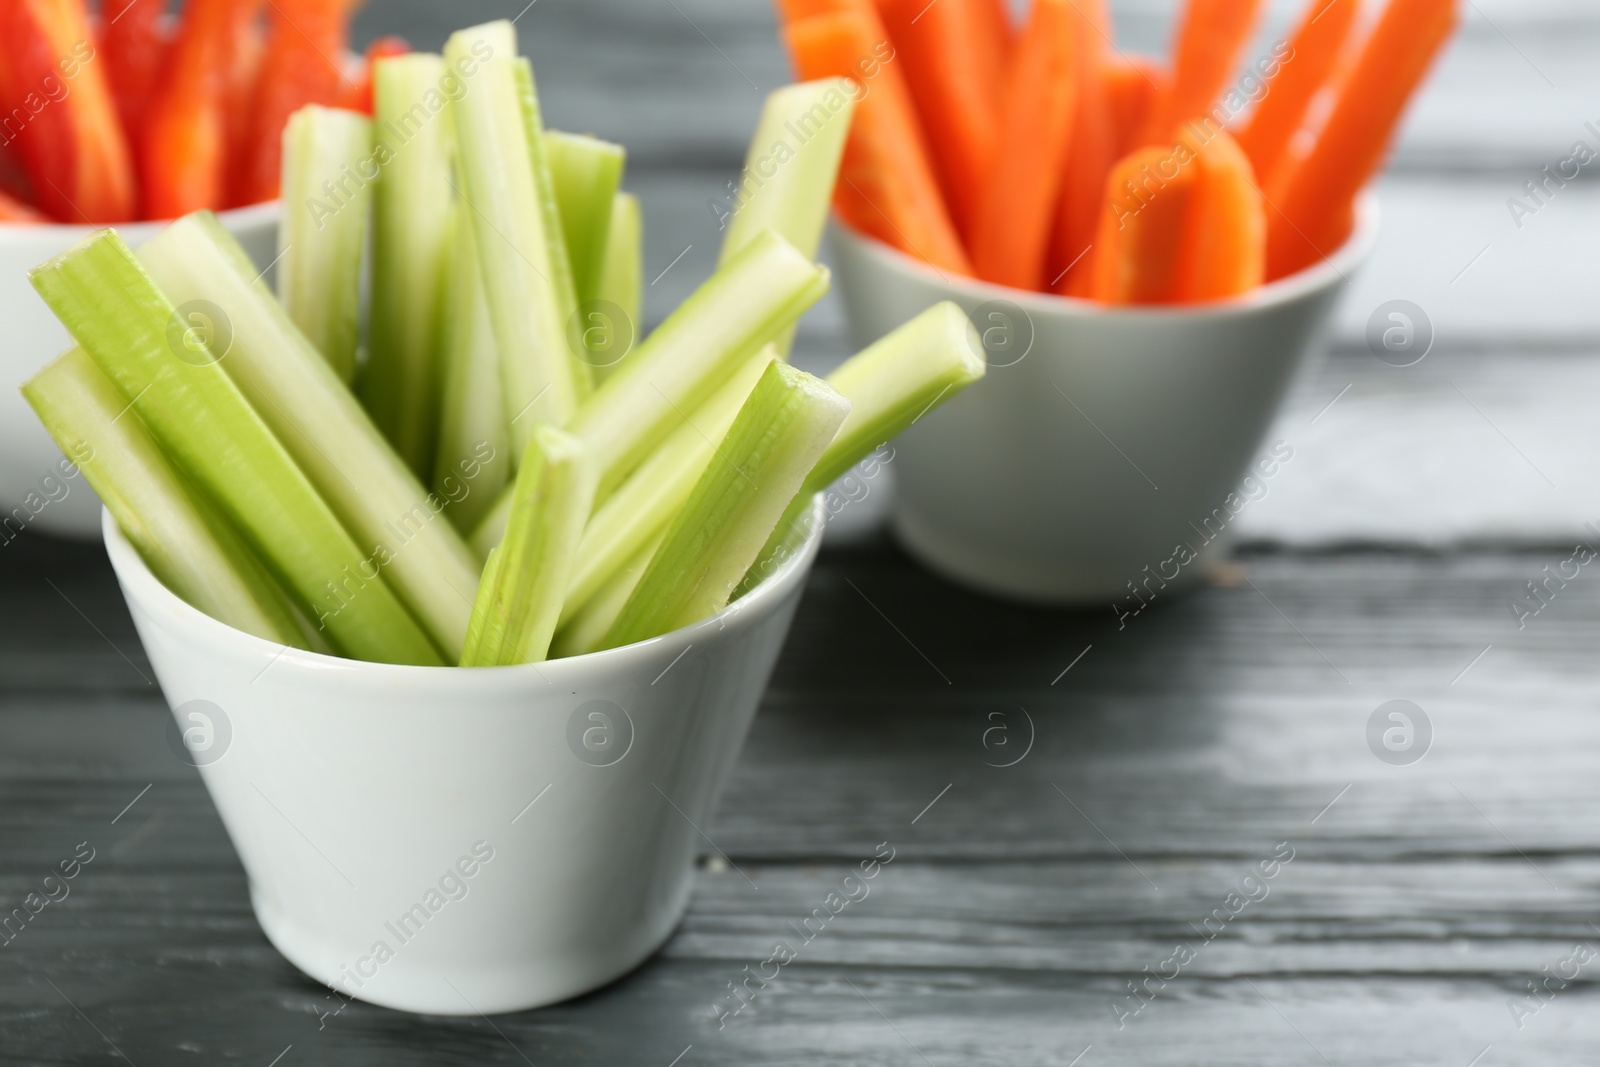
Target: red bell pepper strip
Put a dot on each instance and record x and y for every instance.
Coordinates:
(14, 211)
(134, 45)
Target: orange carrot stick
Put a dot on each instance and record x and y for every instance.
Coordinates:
(886, 186)
(956, 90)
(1314, 212)
(1088, 157)
(1012, 228)
(1133, 84)
(994, 36)
(1313, 52)
(1210, 44)
(1224, 251)
(1142, 228)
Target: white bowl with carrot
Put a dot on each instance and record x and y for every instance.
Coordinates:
(126, 114)
(1150, 254)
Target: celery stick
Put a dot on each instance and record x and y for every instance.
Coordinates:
(514, 246)
(890, 384)
(586, 172)
(586, 630)
(473, 462)
(368, 486)
(622, 277)
(745, 304)
(550, 209)
(777, 438)
(325, 197)
(645, 503)
(411, 228)
(525, 581)
(792, 164)
(165, 363)
(182, 539)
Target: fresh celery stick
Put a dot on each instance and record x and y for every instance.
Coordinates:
(585, 172)
(792, 164)
(411, 228)
(165, 362)
(514, 243)
(394, 519)
(745, 304)
(778, 436)
(645, 503)
(621, 279)
(525, 581)
(585, 631)
(890, 384)
(325, 196)
(550, 207)
(183, 540)
(473, 463)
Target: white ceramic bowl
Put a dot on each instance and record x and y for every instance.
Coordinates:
(510, 836)
(1101, 441)
(31, 467)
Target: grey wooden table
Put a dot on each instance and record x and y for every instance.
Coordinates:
(1101, 900)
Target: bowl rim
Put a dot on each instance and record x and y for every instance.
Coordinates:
(139, 584)
(22, 234)
(1332, 270)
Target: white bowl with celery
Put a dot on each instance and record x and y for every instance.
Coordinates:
(315, 550)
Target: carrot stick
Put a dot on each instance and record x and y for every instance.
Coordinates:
(1142, 228)
(1088, 157)
(886, 186)
(1012, 231)
(1133, 84)
(1313, 52)
(995, 35)
(1224, 252)
(1314, 212)
(956, 90)
(135, 48)
(1210, 45)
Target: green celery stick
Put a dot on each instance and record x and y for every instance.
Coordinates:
(778, 436)
(622, 277)
(411, 228)
(366, 483)
(550, 208)
(791, 166)
(165, 361)
(182, 539)
(745, 304)
(586, 630)
(585, 172)
(644, 504)
(525, 581)
(325, 197)
(473, 462)
(514, 243)
(890, 385)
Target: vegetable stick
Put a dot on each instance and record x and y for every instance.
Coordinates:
(167, 369)
(241, 86)
(585, 173)
(134, 48)
(778, 436)
(1313, 215)
(1315, 49)
(182, 539)
(994, 36)
(1088, 157)
(322, 426)
(514, 244)
(956, 85)
(320, 244)
(622, 280)
(1012, 228)
(14, 211)
(473, 463)
(1211, 42)
(1142, 228)
(886, 185)
(751, 300)
(586, 630)
(1224, 251)
(1133, 84)
(358, 93)
(519, 599)
(412, 217)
